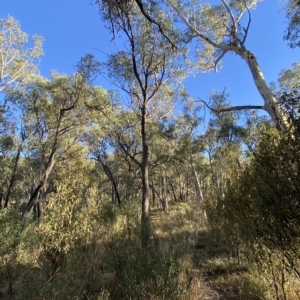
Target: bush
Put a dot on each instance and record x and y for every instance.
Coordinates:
(261, 209)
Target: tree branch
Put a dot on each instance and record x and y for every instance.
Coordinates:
(146, 15)
(129, 155)
(196, 31)
(246, 29)
(234, 23)
(218, 59)
(232, 108)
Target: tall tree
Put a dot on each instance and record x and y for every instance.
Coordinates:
(218, 29)
(143, 71)
(18, 66)
(56, 119)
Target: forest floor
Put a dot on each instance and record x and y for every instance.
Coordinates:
(216, 274)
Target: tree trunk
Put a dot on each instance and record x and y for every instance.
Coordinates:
(199, 194)
(145, 181)
(271, 105)
(112, 179)
(1, 199)
(13, 176)
(165, 199)
(43, 179)
(153, 196)
(173, 191)
(145, 167)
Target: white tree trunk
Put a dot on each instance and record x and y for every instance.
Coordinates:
(199, 194)
(271, 105)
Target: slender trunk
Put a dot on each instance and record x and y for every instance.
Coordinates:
(145, 181)
(153, 196)
(165, 199)
(199, 194)
(43, 179)
(112, 179)
(113, 198)
(145, 167)
(173, 191)
(37, 210)
(186, 197)
(13, 176)
(1, 199)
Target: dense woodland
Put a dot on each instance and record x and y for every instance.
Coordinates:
(143, 192)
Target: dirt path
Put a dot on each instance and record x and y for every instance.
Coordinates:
(217, 275)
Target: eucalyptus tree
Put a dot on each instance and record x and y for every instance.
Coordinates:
(219, 29)
(17, 64)
(57, 116)
(146, 71)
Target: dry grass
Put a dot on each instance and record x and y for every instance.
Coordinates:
(216, 275)
(110, 264)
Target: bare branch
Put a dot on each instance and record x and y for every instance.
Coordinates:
(232, 108)
(248, 9)
(246, 29)
(234, 22)
(218, 59)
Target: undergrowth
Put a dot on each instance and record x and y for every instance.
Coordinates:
(52, 258)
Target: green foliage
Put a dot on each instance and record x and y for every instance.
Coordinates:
(292, 33)
(10, 240)
(108, 214)
(260, 211)
(145, 273)
(17, 63)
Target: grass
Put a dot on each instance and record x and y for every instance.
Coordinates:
(216, 275)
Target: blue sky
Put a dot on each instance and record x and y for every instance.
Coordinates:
(74, 28)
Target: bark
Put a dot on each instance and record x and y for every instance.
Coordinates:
(112, 179)
(1, 199)
(43, 179)
(271, 104)
(145, 167)
(173, 191)
(13, 176)
(232, 108)
(37, 210)
(153, 196)
(113, 195)
(165, 199)
(199, 194)
(145, 222)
